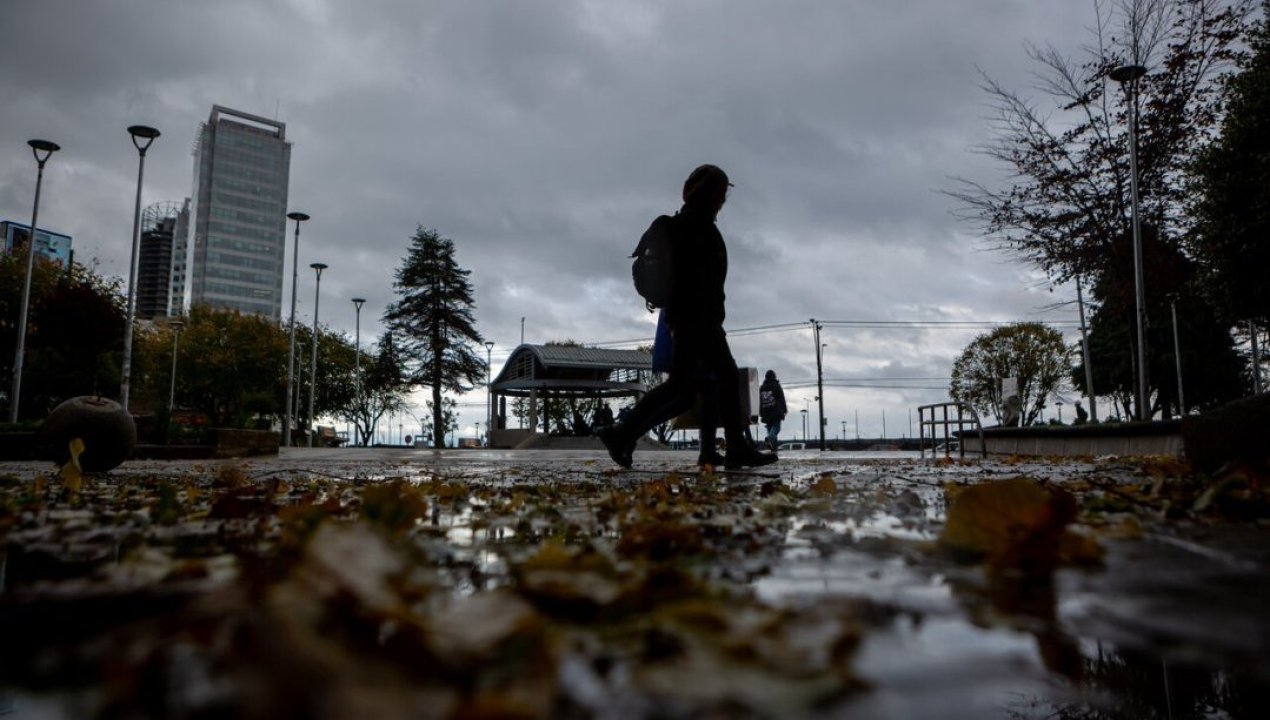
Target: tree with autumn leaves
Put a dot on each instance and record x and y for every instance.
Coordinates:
(74, 338)
(1231, 236)
(1033, 354)
(1069, 211)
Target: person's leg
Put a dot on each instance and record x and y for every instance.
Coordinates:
(664, 402)
(708, 420)
(660, 404)
(773, 433)
(718, 356)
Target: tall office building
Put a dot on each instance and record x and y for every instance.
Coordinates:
(242, 164)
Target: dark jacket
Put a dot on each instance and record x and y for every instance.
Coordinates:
(775, 410)
(700, 269)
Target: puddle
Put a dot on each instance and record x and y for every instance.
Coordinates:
(1173, 626)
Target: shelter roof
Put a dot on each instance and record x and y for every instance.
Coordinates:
(572, 369)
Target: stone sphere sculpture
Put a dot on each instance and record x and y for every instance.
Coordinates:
(107, 430)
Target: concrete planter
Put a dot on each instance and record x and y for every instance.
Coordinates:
(1122, 439)
(106, 429)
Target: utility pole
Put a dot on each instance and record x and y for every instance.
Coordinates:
(820, 381)
(1256, 358)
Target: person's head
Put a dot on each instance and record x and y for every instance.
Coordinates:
(706, 189)
(771, 375)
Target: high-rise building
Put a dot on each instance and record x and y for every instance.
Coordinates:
(155, 266)
(242, 164)
(180, 261)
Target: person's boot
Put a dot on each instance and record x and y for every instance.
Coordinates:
(744, 455)
(620, 449)
(711, 459)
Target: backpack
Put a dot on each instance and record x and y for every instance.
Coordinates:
(767, 400)
(652, 269)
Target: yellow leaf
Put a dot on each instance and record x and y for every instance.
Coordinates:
(825, 486)
(72, 475)
(1013, 523)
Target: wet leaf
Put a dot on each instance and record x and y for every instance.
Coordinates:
(824, 486)
(72, 474)
(396, 506)
(1012, 523)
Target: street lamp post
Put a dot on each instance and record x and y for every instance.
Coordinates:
(142, 137)
(1128, 75)
(804, 412)
(357, 362)
(489, 389)
(1084, 348)
(176, 326)
(41, 149)
(317, 293)
(299, 217)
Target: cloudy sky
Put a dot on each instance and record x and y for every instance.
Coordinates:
(543, 136)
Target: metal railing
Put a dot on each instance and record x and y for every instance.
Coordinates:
(940, 420)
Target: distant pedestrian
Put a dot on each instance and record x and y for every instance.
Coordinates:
(701, 366)
(602, 418)
(771, 407)
(1082, 416)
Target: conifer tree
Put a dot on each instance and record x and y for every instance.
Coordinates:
(432, 321)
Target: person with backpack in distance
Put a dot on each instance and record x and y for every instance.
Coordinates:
(771, 407)
(691, 263)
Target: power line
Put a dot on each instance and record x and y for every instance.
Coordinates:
(862, 386)
(864, 324)
(940, 324)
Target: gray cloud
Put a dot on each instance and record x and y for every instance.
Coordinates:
(543, 137)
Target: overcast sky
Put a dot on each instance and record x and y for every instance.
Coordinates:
(543, 136)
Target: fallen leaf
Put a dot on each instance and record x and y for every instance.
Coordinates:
(825, 486)
(1012, 523)
(71, 473)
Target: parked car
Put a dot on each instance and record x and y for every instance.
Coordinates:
(791, 446)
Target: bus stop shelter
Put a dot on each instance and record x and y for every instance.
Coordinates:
(548, 373)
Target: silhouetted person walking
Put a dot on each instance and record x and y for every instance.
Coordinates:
(771, 407)
(701, 363)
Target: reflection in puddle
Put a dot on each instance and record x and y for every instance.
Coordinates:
(954, 644)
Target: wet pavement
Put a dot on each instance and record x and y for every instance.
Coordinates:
(1173, 624)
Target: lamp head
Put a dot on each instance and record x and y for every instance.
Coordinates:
(318, 266)
(297, 216)
(142, 133)
(358, 302)
(45, 146)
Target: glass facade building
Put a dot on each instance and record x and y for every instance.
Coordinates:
(242, 164)
(179, 274)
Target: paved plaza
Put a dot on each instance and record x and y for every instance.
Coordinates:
(844, 546)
